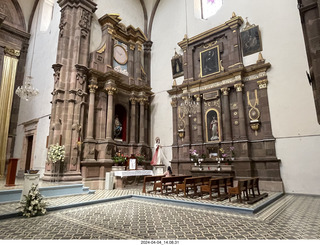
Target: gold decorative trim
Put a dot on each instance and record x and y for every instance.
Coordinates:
(238, 87)
(262, 83)
(102, 49)
(11, 51)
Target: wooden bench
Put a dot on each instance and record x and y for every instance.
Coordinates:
(212, 187)
(171, 182)
(192, 183)
(155, 179)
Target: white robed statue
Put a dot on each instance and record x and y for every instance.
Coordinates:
(158, 156)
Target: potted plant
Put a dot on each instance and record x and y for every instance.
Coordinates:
(119, 159)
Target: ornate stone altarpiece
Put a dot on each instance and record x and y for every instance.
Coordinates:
(221, 104)
(100, 99)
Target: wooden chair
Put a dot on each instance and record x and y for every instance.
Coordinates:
(238, 190)
(171, 182)
(211, 187)
(256, 184)
(226, 182)
(250, 187)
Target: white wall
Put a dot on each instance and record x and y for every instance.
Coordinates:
(44, 46)
(291, 101)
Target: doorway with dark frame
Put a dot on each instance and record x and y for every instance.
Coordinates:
(29, 152)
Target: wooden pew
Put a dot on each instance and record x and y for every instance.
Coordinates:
(224, 183)
(238, 190)
(155, 179)
(192, 183)
(171, 182)
(212, 187)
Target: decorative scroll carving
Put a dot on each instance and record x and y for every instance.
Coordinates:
(56, 74)
(85, 23)
(63, 22)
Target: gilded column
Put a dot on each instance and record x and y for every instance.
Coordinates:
(226, 118)
(133, 120)
(110, 90)
(92, 89)
(6, 97)
(242, 120)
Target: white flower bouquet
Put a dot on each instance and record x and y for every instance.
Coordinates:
(33, 203)
(56, 153)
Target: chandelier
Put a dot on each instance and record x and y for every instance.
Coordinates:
(27, 91)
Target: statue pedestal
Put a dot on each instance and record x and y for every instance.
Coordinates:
(29, 179)
(159, 169)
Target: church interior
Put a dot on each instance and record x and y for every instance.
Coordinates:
(158, 119)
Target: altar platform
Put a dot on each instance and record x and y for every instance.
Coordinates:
(8, 210)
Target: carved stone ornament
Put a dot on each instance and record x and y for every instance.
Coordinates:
(84, 23)
(56, 74)
(63, 22)
(81, 74)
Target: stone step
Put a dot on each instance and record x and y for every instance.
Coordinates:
(50, 191)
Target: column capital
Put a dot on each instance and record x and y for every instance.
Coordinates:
(174, 103)
(225, 91)
(110, 90)
(238, 87)
(133, 100)
(263, 83)
(92, 88)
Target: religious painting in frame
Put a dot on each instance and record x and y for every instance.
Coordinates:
(176, 64)
(213, 125)
(132, 164)
(209, 61)
(251, 41)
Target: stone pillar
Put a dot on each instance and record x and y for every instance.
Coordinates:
(242, 120)
(175, 121)
(131, 62)
(137, 63)
(110, 90)
(73, 55)
(141, 126)
(92, 89)
(226, 118)
(133, 120)
(147, 60)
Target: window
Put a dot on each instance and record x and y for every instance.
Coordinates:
(46, 16)
(210, 8)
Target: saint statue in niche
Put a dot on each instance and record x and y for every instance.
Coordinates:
(117, 127)
(212, 126)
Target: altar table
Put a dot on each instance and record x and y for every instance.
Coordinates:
(122, 180)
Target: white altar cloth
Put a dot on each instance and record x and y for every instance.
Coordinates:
(132, 173)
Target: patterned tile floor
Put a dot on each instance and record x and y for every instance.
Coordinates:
(290, 217)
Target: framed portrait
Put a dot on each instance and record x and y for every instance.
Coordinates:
(209, 61)
(251, 41)
(176, 64)
(212, 125)
(132, 164)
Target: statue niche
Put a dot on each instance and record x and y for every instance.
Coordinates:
(213, 125)
(120, 123)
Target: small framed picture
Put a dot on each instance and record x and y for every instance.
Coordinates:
(251, 41)
(132, 164)
(176, 64)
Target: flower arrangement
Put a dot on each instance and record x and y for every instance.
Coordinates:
(119, 158)
(56, 153)
(194, 156)
(33, 204)
(232, 152)
(140, 157)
